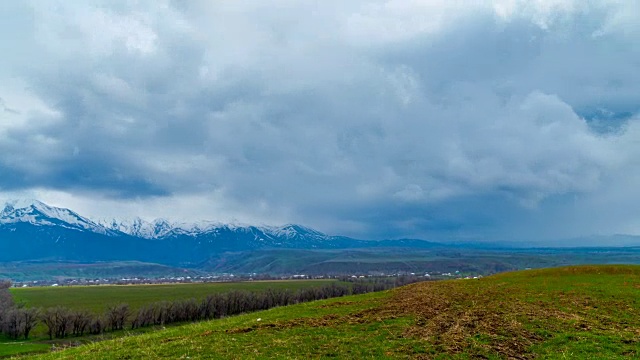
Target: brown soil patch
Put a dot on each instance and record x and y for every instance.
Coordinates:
(479, 318)
(476, 323)
(445, 318)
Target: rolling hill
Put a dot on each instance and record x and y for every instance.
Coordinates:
(572, 312)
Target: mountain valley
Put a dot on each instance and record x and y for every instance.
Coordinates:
(55, 242)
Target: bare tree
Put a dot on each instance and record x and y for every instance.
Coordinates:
(48, 317)
(207, 308)
(97, 325)
(144, 317)
(117, 316)
(30, 320)
(161, 312)
(219, 302)
(6, 300)
(58, 321)
(12, 324)
(80, 321)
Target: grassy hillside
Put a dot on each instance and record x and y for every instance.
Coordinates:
(573, 312)
(97, 298)
(393, 260)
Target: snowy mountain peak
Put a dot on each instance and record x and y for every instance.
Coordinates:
(138, 227)
(24, 204)
(292, 231)
(159, 228)
(41, 214)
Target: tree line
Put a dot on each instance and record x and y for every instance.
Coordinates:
(15, 321)
(60, 322)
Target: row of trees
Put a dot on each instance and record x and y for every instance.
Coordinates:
(62, 322)
(15, 321)
(366, 285)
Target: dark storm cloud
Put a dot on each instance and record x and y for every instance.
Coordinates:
(373, 119)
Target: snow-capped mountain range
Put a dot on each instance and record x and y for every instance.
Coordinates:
(32, 230)
(40, 214)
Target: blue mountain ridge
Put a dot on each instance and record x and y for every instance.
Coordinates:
(32, 230)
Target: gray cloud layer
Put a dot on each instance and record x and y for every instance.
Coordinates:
(440, 119)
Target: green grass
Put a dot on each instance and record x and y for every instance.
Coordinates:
(583, 312)
(97, 298)
(245, 337)
(9, 347)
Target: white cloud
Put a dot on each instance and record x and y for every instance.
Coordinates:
(67, 29)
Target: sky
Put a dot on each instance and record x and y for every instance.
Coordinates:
(444, 120)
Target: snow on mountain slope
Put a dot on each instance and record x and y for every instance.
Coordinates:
(41, 214)
(138, 227)
(160, 228)
(291, 231)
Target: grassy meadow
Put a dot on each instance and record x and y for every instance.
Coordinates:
(586, 312)
(98, 298)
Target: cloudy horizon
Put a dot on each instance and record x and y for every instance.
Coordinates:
(445, 120)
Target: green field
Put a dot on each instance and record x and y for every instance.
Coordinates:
(8, 348)
(57, 271)
(589, 312)
(98, 298)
